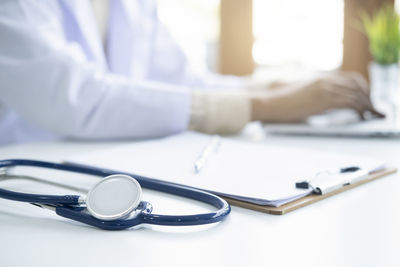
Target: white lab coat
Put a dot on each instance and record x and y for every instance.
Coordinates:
(57, 81)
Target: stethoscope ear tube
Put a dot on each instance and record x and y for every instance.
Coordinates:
(73, 211)
(40, 199)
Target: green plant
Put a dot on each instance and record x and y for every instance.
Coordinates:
(383, 33)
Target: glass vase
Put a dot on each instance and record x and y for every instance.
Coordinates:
(384, 80)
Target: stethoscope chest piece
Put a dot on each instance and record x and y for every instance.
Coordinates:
(114, 197)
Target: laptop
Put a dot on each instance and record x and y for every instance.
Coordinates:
(344, 123)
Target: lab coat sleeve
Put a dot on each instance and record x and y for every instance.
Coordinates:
(49, 82)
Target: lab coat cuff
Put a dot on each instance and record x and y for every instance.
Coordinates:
(219, 112)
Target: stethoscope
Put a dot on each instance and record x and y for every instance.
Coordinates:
(114, 203)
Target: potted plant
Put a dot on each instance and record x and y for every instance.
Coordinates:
(382, 30)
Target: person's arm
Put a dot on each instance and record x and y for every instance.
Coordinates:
(294, 102)
(228, 112)
(49, 82)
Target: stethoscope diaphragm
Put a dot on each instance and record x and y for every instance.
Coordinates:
(113, 197)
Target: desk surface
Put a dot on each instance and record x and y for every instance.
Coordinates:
(356, 228)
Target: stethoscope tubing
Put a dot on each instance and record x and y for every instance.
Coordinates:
(62, 202)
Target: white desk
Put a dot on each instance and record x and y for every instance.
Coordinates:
(360, 227)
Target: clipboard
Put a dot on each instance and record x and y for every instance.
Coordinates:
(309, 199)
(259, 191)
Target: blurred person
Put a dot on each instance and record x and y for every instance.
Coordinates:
(109, 69)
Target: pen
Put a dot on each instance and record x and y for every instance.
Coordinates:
(331, 181)
(306, 184)
(211, 147)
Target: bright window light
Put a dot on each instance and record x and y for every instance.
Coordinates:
(195, 26)
(306, 33)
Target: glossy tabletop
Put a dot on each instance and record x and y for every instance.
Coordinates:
(360, 227)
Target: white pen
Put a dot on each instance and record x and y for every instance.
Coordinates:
(211, 147)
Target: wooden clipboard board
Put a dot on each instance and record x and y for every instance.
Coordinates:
(307, 200)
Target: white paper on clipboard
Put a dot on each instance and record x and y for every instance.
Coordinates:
(257, 173)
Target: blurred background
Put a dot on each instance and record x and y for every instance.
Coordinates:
(272, 38)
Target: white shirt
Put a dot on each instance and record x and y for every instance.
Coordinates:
(56, 79)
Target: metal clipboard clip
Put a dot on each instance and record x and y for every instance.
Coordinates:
(328, 181)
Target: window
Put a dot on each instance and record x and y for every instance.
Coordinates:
(306, 33)
(195, 25)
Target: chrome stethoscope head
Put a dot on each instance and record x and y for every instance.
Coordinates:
(114, 197)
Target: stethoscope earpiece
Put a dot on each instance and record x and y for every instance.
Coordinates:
(114, 197)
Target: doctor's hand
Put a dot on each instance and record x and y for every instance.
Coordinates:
(296, 101)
